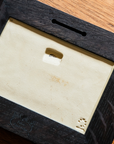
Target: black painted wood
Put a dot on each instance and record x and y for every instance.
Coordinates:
(1, 1)
(7, 137)
(101, 128)
(38, 128)
(3, 16)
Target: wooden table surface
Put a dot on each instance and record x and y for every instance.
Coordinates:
(97, 12)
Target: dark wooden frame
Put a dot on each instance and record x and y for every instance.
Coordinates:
(34, 126)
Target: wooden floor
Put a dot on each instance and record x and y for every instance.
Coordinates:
(97, 12)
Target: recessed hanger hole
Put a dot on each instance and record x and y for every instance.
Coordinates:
(52, 56)
(54, 53)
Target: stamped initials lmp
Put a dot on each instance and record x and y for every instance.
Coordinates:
(82, 124)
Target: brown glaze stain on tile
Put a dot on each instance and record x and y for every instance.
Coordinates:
(59, 80)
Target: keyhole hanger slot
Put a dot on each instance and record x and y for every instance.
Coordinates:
(54, 21)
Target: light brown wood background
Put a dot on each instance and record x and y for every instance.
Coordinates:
(97, 12)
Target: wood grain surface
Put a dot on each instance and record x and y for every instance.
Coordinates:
(97, 12)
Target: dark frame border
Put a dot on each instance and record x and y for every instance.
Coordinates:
(38, 128)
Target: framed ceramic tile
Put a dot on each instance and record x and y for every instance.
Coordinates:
(56, 74)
